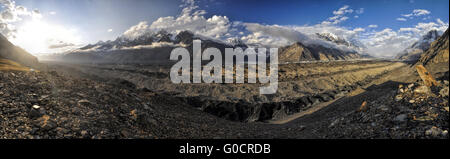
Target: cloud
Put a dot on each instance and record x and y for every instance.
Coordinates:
(138, 30)
(360, 11)
(109, 30)
(423, 28)
(416, 13)
(344, 9)
(388, 42)
(419, 12)
(60, 44)
(341, 15)
(191, 19)
(151, 46)
(382, 43)
(52, 13)
(401, 19)
(12, 14)
(272, 35)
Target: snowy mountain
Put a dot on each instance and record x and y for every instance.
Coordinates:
(351, 43)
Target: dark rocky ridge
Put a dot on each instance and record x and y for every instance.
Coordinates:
(438, 51)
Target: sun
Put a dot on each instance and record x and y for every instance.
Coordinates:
(38, 37)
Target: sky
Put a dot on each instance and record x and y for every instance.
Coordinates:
(385, 27)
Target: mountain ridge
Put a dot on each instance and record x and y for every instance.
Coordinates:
(413, 52)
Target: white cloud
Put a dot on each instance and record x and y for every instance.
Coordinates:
(52, 13)
(12, 14)
(419, 12)
(373, 26)
(360, 11)
(109, 30)
(340, 15)
(389, 42)
(138, 30)
(401, 19)
(190, 19)
(415, 13)
(343, 10)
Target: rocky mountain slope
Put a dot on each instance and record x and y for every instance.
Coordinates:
(17, 54)
(298, 52)
(438, 51)
(414, 52)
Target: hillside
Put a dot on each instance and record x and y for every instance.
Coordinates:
(14, 53)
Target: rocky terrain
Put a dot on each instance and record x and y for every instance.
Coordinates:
(334, 99)
(301, 86)
(416, 111)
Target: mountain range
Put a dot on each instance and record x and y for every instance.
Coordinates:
(156, 48)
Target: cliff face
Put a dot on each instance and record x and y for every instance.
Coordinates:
(438, 51)
(14, 53)
(298, 52)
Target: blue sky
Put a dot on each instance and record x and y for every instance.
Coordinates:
(93, 20)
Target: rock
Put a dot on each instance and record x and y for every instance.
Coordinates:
(401, 118)
(426, 76)
(444, 92)
(424, 118)
(83, 101)
(84, 133)
(434, 132)
(34, 112)
(384, 108)
(335, 122)
(422, 90)
(36, 107)
(398, 98)
(446, 109)
(45, 123)
(363, 107)
(411, 85)
(412, 101)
